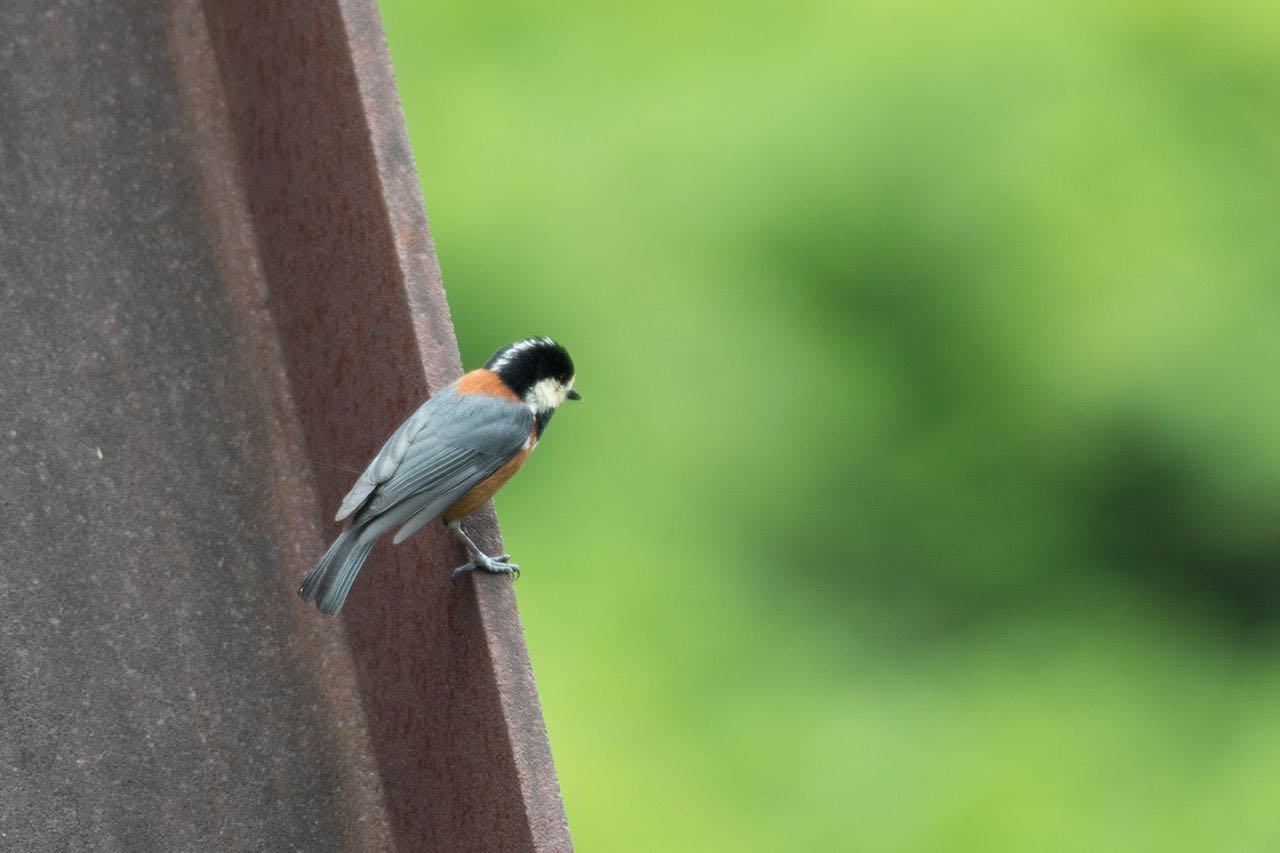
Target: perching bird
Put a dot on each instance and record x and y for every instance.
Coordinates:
(447, 460)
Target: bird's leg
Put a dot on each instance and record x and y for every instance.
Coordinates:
(479, 559)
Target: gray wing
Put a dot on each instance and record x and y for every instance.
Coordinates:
(387, 460)
(451, 443)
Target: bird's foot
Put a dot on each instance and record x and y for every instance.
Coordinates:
(498, 565)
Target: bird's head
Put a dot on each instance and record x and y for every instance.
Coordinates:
(540, 373)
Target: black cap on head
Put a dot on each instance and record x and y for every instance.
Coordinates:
(523, 364)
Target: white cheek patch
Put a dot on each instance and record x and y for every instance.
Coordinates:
(546, 394)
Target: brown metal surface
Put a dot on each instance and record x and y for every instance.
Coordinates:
(215, 269)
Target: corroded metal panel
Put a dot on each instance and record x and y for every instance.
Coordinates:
(218, 293)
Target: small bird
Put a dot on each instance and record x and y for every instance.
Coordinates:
(447, 460)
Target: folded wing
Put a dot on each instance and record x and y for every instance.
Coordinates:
(450, 444)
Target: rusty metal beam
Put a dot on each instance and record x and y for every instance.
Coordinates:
(355, 289)
(215, 269)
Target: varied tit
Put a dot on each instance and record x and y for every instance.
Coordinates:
(447, 460)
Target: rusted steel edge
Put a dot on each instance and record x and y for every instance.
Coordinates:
(434, 329)
(355, 293)
(294, 514)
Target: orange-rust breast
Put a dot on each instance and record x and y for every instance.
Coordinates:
(484, 381)
(488, 487)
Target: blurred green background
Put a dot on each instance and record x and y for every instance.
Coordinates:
(925, 494)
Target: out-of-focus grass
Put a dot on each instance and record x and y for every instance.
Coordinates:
(925, 493)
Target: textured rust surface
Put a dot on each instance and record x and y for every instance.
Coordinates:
(157, 690)
(354, 286)
(217, 292)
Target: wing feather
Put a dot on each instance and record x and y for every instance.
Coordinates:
(426, 472)
(451, 443)
(385, 463)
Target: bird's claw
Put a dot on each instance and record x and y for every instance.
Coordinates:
(497, 565)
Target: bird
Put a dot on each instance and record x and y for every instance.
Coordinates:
(446, 460)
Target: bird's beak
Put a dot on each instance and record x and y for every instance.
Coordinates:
(573, 395)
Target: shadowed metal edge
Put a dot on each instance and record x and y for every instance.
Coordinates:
(355, 292)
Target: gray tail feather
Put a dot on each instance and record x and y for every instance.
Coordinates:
(330, 579)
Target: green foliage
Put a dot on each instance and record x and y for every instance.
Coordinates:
(925, 493)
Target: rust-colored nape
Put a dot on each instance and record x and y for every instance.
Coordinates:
(485, 381)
